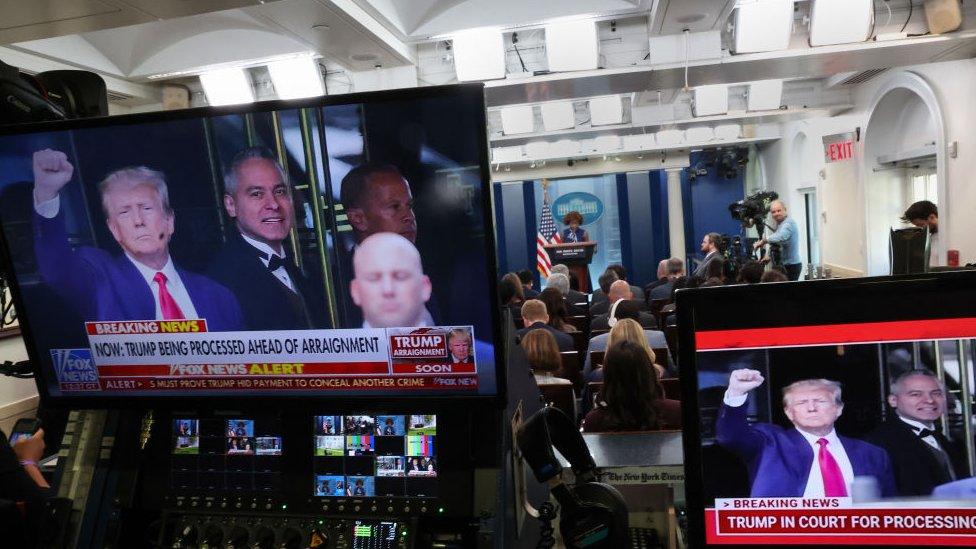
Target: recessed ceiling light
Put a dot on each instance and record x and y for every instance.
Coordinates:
(321, 26)
(363, 57)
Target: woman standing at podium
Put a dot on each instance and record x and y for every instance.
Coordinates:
(574, 233)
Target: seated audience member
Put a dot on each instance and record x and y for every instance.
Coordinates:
(627, 309)
(543, 355)
(774, 276)
(631, 398)
(675, 270)
(712, 281)
(625, 330)
(556, 309)
(619, 296)
(636, 291)
(535, 317)
(560, 282)
(510, 294)
(716, 269)
(527, 279)
(751, 272)
(662, 277)
(604, 281)
(577, 303)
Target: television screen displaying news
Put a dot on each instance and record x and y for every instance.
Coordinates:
(831, 412)
(375, 456)
(281, 249)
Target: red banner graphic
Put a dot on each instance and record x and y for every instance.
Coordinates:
(250, 369)
(836, 334)
(288, 383)
(874, 526)
(422, 368)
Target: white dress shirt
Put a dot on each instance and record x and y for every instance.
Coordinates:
(917, 427)
(173, 284)
(49, 208)
(426, 320)
(815, 487)
(280, 273)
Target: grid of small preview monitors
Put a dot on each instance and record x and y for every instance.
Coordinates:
(375, 456)
(225, 455)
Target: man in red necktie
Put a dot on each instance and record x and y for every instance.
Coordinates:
(809, 460)
(141, 284)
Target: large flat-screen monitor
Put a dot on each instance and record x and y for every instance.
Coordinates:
(830, 412)
(336, 246)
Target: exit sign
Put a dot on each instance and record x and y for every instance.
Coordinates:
(839, 147)
(840, 151)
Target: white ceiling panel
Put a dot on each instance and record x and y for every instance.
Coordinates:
(419, 19)
(25, 20)
(695, 15)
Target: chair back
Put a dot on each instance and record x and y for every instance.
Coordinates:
(671, 387)
(572, 367)
(561, 397)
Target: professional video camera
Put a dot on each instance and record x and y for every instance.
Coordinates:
(752, 209)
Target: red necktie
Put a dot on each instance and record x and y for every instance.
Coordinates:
(833, 479)
(168, 306)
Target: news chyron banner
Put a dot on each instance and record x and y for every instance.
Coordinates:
(166, 355)
(879, 507)
(836, 521)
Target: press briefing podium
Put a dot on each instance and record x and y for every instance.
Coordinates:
(577, 256)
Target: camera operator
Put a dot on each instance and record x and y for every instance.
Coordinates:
(787, 235)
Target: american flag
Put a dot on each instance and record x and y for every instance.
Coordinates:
(547, 235)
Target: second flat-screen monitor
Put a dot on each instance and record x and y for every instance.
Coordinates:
(830, 413)
(338, 246)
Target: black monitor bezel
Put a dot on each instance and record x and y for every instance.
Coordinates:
(909, 297)
(124, 401)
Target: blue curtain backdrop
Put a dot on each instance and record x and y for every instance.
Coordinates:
(633, 229)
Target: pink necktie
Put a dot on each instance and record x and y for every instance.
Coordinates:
(168, 306)
(833, 479)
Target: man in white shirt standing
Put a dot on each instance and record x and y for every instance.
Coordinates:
(808, 460)
(921, 456)
(141, 284)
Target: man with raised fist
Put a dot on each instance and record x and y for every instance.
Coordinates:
(141, 284)
(808, 460)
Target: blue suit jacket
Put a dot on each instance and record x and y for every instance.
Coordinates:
(103, 287)
(779, 459)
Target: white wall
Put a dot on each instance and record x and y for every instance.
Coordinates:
(18, 397)
(845, 240)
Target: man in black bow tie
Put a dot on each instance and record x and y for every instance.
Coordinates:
(274, 293)
(921, 456)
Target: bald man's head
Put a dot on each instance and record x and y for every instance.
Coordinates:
(777, 210)
(389, 283)
(662, 269)
(619, 290)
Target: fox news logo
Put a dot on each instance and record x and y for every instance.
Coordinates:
(74, 366)
(421, 343)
